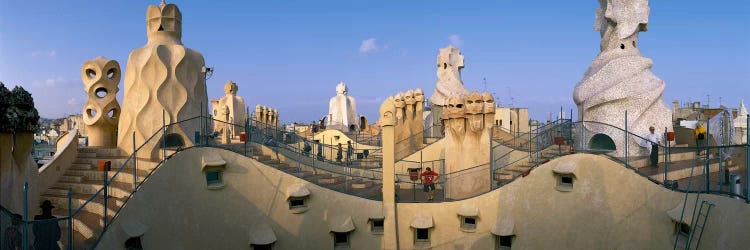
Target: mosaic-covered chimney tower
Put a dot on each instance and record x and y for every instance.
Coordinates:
(162, 75)
(619, 80)
(100, 114)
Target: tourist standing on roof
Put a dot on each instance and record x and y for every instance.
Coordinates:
(429, 178)
(652, 144)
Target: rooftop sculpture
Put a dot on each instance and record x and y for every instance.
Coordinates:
(342, 110)
(449, 65)
(620, 78)
(162, 75)
(100, 78)
(468, 121)
(235, 107)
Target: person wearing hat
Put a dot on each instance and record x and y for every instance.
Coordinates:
(46, 232)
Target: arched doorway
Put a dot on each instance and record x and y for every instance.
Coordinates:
(174, 141)
(362, 123)
(602, 142)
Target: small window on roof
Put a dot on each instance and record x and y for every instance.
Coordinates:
(682, 233)
(297, 202)
(262, 247)
(468, 223)
(298, 196)
(213, 177)
(684, 229)
(340, 240)
(565, 182)
(133, 243)
(377, 225)
(212, 166)
(422, 235)
(503, 242)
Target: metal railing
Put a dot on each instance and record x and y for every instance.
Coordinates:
(718, 169)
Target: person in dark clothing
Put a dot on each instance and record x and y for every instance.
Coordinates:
(12, 236)
(307, 148)
(320, 150)
(653, 141)
(339, 154)
(47, 233)
(349, 152)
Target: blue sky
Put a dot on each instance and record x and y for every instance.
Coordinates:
(291, 54)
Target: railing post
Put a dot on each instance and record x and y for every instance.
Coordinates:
(583, 129)
(70, 218)
(164, 135)
(747, 160)
(720, 149)
(492, 164)
(445, 180)
(707, 161)
(201, 129)
(106, 172)
(537, 144)
(25, 234)
(529, 144)
(666, 153)
(299, 158)
(626, 138)
(135, 164)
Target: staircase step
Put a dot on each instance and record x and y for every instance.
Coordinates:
(86, 155)
(72, 178)
(126, 175)
(517, 169)
(332, 180)
(88, 224)
(95, 206)
(117, 189)
(86, 150)
(503, 176)
(304, 174)
(57, 191)
(81, 166)
(362, 184)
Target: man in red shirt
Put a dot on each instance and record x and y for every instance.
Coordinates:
(429, 178)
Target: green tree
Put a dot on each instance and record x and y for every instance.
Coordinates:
(5, 125)
(18, 107)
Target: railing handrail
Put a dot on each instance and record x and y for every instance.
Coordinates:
(249, 123)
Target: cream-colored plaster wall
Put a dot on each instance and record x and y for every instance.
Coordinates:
(609, 207)
(67, 151)
(329, 138)
(513, 119)
(17, 166)
(181, 213)
(434, 151)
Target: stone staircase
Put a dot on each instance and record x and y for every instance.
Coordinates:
(84, 179)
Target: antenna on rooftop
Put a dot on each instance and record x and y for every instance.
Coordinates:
(484, 81)
(511, 96)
